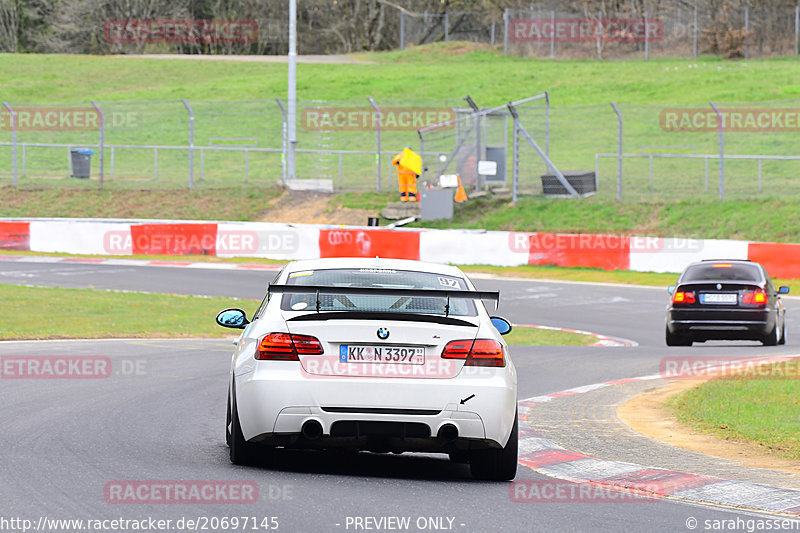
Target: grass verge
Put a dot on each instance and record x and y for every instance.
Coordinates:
(56, 313)
(93, 314)
(230, 203)
(761, 411)
(522, 336)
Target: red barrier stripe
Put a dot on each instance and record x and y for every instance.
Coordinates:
(15, 236)
(549, 457)
(610, 252)
(781, 260)
(174, 239)
(369, 243)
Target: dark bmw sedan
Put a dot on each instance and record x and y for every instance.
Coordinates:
(733, 300)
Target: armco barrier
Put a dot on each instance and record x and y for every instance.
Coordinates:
(308, 241)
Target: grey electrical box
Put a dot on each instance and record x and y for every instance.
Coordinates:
(436, 204)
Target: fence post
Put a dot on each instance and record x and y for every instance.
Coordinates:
(599, 46)
(746, 29)
(797, 29)
(553, 33)
(402, 30)
(492, 34)
(284, 133)
(619, 150)
(515, 161)
(505, 31)
(646, 38)
(721, 151)
(446, 26)
(191, 142)
(102, 139)
(13, 140)
(547, 123)
(694, 30)
(421, 152)
(476, 111)
(377, 142)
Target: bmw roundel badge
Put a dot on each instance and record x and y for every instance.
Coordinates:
(383, 333)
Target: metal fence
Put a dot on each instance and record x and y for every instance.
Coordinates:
(647, 28)
(724, 150)
(657, 30)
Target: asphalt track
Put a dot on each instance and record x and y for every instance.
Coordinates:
(159, 415)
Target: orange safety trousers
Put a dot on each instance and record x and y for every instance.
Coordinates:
(408, 184)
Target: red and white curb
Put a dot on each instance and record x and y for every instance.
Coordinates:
(546, 457)
(602, 340)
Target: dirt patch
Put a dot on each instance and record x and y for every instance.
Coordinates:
(303, 207)
(648, 415)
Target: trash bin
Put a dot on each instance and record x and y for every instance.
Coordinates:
(81, 163)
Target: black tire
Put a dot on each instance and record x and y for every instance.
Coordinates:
(242, 452)
(677, 340)
(497, 464)
(783, 334)
(773, 337)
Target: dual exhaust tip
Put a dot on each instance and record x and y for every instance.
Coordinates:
(312, 430)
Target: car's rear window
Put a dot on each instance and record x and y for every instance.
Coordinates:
(378, 278)
(722, 271)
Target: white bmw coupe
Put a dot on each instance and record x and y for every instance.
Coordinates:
(381, 355)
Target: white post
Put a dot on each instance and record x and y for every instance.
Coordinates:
(191, 143)
(505, 31)
(292, 119)
(721, 151)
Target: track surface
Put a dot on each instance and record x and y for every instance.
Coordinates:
(63, 440)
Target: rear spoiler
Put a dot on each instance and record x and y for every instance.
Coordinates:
(380, 291)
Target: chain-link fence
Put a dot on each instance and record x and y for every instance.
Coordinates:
(635, 151)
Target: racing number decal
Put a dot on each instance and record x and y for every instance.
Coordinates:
(448, 282)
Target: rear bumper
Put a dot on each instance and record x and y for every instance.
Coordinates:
(277, 399)
(718, 323)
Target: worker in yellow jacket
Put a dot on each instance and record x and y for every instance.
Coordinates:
(409, 167)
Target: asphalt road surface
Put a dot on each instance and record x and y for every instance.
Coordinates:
(157, 415)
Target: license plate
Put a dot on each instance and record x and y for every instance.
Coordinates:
(719, 298)
(403, 355)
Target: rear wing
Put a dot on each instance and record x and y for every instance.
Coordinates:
(380, 291)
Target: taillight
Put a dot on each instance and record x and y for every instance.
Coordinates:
(682, 297)
(758, 297)
(480, 352)
(286, 347)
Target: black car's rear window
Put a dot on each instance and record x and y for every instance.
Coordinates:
(378, 278)
(722, 271)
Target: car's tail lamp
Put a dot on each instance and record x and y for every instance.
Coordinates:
(758, 297)
(287, 347)
(480, 352)
(683, 297)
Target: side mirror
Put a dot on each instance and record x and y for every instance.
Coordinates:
(671, 289)
(501, 324)
(783, 289)
(232, 318)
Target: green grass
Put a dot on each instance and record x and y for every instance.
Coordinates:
(232, 203)
(522, 336)
(418, 77)
(746, 408)
(87, 314)
(426, 72)
(763, 219)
